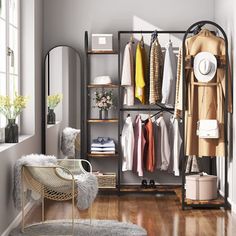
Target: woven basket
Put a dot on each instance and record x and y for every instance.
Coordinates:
(107, 180)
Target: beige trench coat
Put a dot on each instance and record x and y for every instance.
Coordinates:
(205, 102)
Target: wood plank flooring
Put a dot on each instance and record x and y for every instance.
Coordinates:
(159, 215)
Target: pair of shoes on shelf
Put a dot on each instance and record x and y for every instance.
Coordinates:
(144, 184)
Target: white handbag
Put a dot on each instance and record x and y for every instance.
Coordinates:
(208, 129)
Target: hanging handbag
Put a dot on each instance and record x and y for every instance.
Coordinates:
(208, 129)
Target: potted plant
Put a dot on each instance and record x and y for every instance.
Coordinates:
(11, 108)
(53, 101)
(104, 102)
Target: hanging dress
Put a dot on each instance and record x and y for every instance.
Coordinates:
(139, 143)
(127, 144)
(127, 78)
(156, 69)
(169, 76)
(140, 73)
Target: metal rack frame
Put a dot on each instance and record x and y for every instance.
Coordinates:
(121, 109)
(157, 107)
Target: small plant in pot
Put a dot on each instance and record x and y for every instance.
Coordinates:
(104, 102)
(11, 108)
(53, 101)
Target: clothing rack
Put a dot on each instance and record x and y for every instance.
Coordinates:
(225, 202)
(157, 107)
(191, 30)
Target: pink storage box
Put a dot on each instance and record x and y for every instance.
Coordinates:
(201, 187)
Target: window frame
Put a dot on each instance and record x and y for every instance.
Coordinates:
(8, 74)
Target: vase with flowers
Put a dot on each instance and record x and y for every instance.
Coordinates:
(104, 102)
(53, 101)
(11, 108)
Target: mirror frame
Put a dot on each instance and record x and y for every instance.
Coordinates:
(44, 95)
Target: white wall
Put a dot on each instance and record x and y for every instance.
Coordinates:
(33, 144)
(225, 16)
(66, 20)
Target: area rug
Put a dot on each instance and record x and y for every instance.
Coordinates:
(82, 228)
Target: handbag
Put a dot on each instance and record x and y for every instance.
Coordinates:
(208, 129)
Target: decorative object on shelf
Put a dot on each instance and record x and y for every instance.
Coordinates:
(102, 42)
(53, 101)
(201, 187)
(103, 114)
(11, 109)
(104, 102)
(102, 80)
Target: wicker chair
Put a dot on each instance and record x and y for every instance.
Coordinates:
(54, 182)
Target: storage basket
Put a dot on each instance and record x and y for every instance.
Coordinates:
(201, 187)
(106, 180)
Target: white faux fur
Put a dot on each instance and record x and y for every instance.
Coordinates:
(33, 159)
(86, 183)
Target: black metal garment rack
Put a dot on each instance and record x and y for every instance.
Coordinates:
(158, 108)
(154, 108)
(206, 204)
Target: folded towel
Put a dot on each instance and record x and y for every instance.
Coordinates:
(102, 149)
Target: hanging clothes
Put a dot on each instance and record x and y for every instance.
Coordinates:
(156, 67)
(178, 91)
(192, 165)
(127, 144)
(157, 144)
(139, 143)
(164, 144)
(207, 99)
(169, 76)
(140, 72)
(127, 79)
(149, 147)
(175, 144)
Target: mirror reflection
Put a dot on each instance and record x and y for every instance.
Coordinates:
(63, 83)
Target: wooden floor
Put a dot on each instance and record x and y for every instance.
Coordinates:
(159, 215)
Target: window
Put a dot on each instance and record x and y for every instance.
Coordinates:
(9, 49)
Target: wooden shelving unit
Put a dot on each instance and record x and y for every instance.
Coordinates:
(103, 86)
(90, 123)
(101, 52)
(91, 155)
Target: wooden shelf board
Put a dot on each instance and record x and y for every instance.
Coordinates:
(103, 121)
(138, 188)
(102, 155)
(102, 52)
(103, 86)
(218, 201)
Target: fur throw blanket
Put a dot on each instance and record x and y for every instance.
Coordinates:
(86, 183)
(68, 141)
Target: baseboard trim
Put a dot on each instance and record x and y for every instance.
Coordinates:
(17, 220)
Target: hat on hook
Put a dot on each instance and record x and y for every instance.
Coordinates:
(204, 66)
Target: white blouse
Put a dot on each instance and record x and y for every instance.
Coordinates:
(127, 79)
(169, 76)
(127, 144)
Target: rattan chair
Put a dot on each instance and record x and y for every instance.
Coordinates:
(54, 182)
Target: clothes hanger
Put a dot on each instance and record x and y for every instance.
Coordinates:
(131, 40)
(154, 36)
(141, 40)
(170, 38)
